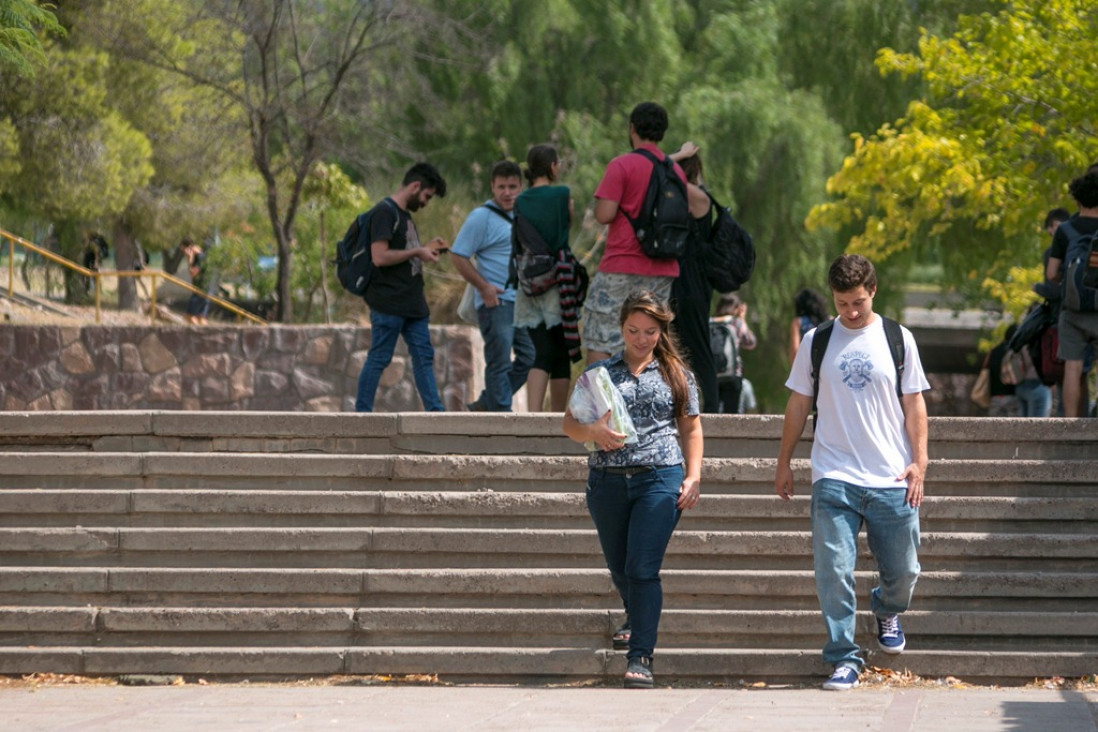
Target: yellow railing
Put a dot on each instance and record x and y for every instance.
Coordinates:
(13, 240)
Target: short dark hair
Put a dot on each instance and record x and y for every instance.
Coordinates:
(1084, 189)
(1056, 216)
(428, 175)
(850, 271)
(649, 121)
(505, 169)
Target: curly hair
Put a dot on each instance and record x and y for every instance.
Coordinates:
(649, 121)
(850, 271)
(811, 304)
(1084, 189)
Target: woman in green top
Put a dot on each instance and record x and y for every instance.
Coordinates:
(549, 208)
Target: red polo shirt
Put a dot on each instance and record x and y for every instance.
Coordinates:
(626, 181)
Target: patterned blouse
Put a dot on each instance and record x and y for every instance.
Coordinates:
(648, 399)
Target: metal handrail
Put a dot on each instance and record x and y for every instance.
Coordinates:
(98, 275)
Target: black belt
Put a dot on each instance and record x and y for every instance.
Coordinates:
(626, 470)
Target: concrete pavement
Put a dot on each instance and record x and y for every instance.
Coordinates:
(399, 708)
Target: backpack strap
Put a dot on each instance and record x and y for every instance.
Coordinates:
(893, 334)
(642, 213)
(498, 211)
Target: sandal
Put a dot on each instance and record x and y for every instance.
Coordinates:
(641, 670)
(620, 639)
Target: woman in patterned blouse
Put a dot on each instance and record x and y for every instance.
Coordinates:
(636, 492)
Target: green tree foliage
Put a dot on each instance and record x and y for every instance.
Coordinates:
(21, 22)
(970, 170)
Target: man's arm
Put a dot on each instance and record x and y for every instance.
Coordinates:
(384, 256)
(797, 410)
(915, 425)
(1052, 270)
(605, 210)
(489, 292)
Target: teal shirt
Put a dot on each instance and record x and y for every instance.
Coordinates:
(546, 207)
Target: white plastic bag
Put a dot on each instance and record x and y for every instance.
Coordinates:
(467, 309)
(594, 396)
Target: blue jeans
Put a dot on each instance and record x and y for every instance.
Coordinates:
(1034, 398)
(635, 513)
(839, 510)
(383, 337)
(502, 376)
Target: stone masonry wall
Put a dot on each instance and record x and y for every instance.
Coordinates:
(270, 368)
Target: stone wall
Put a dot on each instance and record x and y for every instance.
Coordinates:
(269, 368)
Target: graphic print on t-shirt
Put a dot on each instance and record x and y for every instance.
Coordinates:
(857, 368)
(412, 242)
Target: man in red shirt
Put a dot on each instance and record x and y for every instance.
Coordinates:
(624, 267)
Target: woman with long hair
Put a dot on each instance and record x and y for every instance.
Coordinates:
(636, 492)
(809, 310)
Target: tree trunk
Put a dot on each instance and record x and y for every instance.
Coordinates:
(125, 258)
(285, 307)
(324, 272)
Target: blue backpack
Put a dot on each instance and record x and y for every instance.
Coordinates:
(1079, 281)
(354, 262)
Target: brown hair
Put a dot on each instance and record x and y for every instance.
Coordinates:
(672, 366)
(851, 271)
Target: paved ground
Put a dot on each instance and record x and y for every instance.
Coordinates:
(416, 708)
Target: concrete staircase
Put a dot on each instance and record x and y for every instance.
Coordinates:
(262, 544)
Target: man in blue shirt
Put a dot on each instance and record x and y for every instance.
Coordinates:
(486, 235)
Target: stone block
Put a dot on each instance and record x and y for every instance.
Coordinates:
(155, 357)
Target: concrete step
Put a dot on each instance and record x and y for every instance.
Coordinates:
(538, 627)
(530, 665)
(491, 509)
(478, 433)
(1021, 591)
(554, 474)
(414, 547)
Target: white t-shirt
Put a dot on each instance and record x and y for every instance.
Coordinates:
(860, 437)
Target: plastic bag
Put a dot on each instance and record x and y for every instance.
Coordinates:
(594, 396)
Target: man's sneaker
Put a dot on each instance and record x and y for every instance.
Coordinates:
(843, 678)
(890, 636)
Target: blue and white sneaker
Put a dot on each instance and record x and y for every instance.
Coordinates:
(890, 636)
(843, 678)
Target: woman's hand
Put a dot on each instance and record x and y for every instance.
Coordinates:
(689, 493)
(606, 437)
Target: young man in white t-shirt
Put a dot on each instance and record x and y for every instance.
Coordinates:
(869, 457)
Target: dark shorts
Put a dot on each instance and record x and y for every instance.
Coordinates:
(198, 305)
(551, 351)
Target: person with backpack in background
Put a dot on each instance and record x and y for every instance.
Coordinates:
(869, 459)
(620, 203)
(394, 292)
(691, 292)
(486, 235)
(809, 310)
(1073, 263)
(551, 317)
(730, 336)
(1004, 402)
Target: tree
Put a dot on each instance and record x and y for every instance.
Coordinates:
(21, 21)
(970, 170)
(296, 71)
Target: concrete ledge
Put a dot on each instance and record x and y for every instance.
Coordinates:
(214, 661)
(226, 620)
(55, 660)
(51, 619)
(289, 582)
(59, 580)
(472, 662)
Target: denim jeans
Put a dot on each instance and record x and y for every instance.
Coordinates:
(1034, 398)
(502, 376)
(383, 337)
(635, 513)
(839, 510)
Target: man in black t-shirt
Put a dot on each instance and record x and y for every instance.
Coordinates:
(1078, 329)
(395, 293)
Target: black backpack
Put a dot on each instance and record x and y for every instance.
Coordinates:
(896, 347)
(729, 255)
(354, 261)
(1079, 282)
(722, 342)
(533, 267)
(663, 224)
